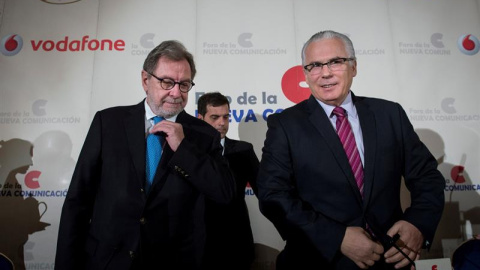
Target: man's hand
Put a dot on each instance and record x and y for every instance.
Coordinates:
(173, 133)
(359, 247)
(410, 242)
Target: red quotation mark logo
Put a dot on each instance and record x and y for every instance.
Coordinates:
(11, 45)
(468, 44)
(457, 174)
(31, 179)
(294, 86)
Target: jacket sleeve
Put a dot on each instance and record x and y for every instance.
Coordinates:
(424, 181)
(199, 160)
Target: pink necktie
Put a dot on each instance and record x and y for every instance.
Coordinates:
(345, 133)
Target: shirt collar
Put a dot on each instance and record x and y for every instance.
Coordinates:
(347, 104)
(222, 142)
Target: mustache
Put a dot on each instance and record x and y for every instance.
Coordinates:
(173, 100)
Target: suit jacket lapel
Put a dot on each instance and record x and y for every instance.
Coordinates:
(369, 126)
(135, 130)
(227, 147)
(320, 121)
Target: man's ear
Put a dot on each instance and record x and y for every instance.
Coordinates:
(144, 76)
(199, 116)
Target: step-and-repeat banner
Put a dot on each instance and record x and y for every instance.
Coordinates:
(63, 60)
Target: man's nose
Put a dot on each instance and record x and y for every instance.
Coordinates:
(175, 91)
(325, 71)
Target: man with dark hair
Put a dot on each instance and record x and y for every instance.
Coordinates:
(229, 235)
(137, 196)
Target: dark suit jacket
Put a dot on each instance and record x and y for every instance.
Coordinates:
(229, 235)
(109, 222)
(307, 189)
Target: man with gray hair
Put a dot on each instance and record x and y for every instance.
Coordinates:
(331, 171)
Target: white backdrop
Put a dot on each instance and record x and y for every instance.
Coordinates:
(54, 76)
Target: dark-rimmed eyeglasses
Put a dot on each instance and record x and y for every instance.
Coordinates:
(336, 64)
(168, 84)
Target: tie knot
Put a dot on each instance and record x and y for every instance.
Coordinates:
(339, 112)
(157, 119)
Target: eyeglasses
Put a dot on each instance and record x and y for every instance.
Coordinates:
(168, 84)
(336, 64)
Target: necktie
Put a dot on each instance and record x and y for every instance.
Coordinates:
(154, 152)
(347, 138)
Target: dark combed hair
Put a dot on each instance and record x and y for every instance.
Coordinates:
(214, 99)
(171, 49)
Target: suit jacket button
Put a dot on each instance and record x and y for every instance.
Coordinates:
(143, 221)
(142, 190)
(132, 254)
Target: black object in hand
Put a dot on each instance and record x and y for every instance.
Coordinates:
(386, 240)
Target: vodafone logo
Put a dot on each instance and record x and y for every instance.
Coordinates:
(294, 86)
(75, 45)
(11, 44)
(468, 44)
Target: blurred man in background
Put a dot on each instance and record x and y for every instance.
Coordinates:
(229, 235)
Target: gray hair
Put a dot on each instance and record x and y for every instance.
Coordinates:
(328, 34)
(171, 49)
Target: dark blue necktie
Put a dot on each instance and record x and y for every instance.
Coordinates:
(154, 152)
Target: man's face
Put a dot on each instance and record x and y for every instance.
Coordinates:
(218, 118)
(329, 87)
(163, 102)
